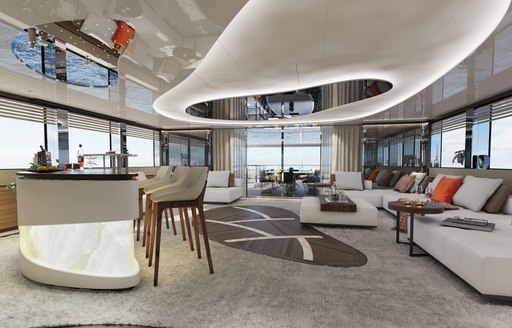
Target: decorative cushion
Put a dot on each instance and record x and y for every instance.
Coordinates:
(474, 192)
(424, 184)
(384, 179)
(445, 189)
(404, 184)
(498, 199)
(366, 172)
(218, 179)
(438, 178)
(373, 175)
(349, 180)
(380, 175)
(394, 178)
(419, 177)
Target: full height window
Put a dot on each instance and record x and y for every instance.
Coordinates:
(95, 135)
(448, 142)
(272, 150)
(491, 133)
(22, 130)
(188, 151)
(397, 150)
(141, 142)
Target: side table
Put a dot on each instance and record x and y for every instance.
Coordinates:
(412, 208)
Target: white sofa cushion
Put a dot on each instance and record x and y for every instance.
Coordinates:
(349, 180)
(222, 195)
(507, 208)
(218, 179)
(419, 177)
(474, 192)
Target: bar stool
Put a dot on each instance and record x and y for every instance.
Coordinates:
(179, 174)
(187, 194)
(163, 174)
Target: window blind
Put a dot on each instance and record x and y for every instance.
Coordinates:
(28, 112)
(449, 124)
(137, 132)
(93, 124)
(495, 111)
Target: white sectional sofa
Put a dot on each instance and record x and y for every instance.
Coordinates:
(224, 194)
(482, 259)
(222, 187)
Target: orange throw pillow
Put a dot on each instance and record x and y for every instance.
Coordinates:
(445, 189)
(373, 175)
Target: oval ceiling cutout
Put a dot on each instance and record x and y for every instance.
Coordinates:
(292, 104)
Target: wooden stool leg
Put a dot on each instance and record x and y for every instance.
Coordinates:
(196, 232)
(154, 226)
(140, 215)
(158, 220)
(182, 223)
(172, 221)
(205, 238)
(187, 222)
(147, 220)
(166, 219)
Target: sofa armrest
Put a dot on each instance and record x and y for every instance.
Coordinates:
(368, 185)
(238, 182)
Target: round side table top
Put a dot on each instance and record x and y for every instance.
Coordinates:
(419, 208)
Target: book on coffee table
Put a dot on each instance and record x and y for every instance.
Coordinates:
(453, 222)
(472, 221)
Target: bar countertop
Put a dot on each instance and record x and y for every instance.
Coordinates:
(87, 174)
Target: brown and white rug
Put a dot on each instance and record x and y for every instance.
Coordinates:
(278, 232)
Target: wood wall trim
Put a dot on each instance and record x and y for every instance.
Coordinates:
(8, 210)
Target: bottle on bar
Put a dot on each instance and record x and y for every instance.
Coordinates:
(80, 156)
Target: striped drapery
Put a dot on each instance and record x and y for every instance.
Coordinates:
(229, 152)
(346, 148)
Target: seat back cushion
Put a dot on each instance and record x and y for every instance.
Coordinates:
(507, 208)
(349, 180)
(404, 184)
(373, 175)
(474, 192)
(445, 189)
(384, 179)
(498, 199)
(419, 176)
(218, 179)
(424, 183)
(394, 179)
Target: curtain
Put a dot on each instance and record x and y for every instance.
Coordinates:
(326, 153)
(230, 109)
(229, 152)
(346, 148)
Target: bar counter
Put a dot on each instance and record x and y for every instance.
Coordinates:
(76, 228)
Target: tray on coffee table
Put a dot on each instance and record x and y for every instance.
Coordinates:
(327, 204)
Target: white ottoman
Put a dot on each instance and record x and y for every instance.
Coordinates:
(366, 214)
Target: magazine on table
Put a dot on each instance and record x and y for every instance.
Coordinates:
(468, 223)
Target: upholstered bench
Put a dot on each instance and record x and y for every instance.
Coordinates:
(366, 214)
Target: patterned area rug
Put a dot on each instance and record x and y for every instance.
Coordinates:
(278, 233)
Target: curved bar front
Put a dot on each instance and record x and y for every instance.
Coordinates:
(76, 228)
